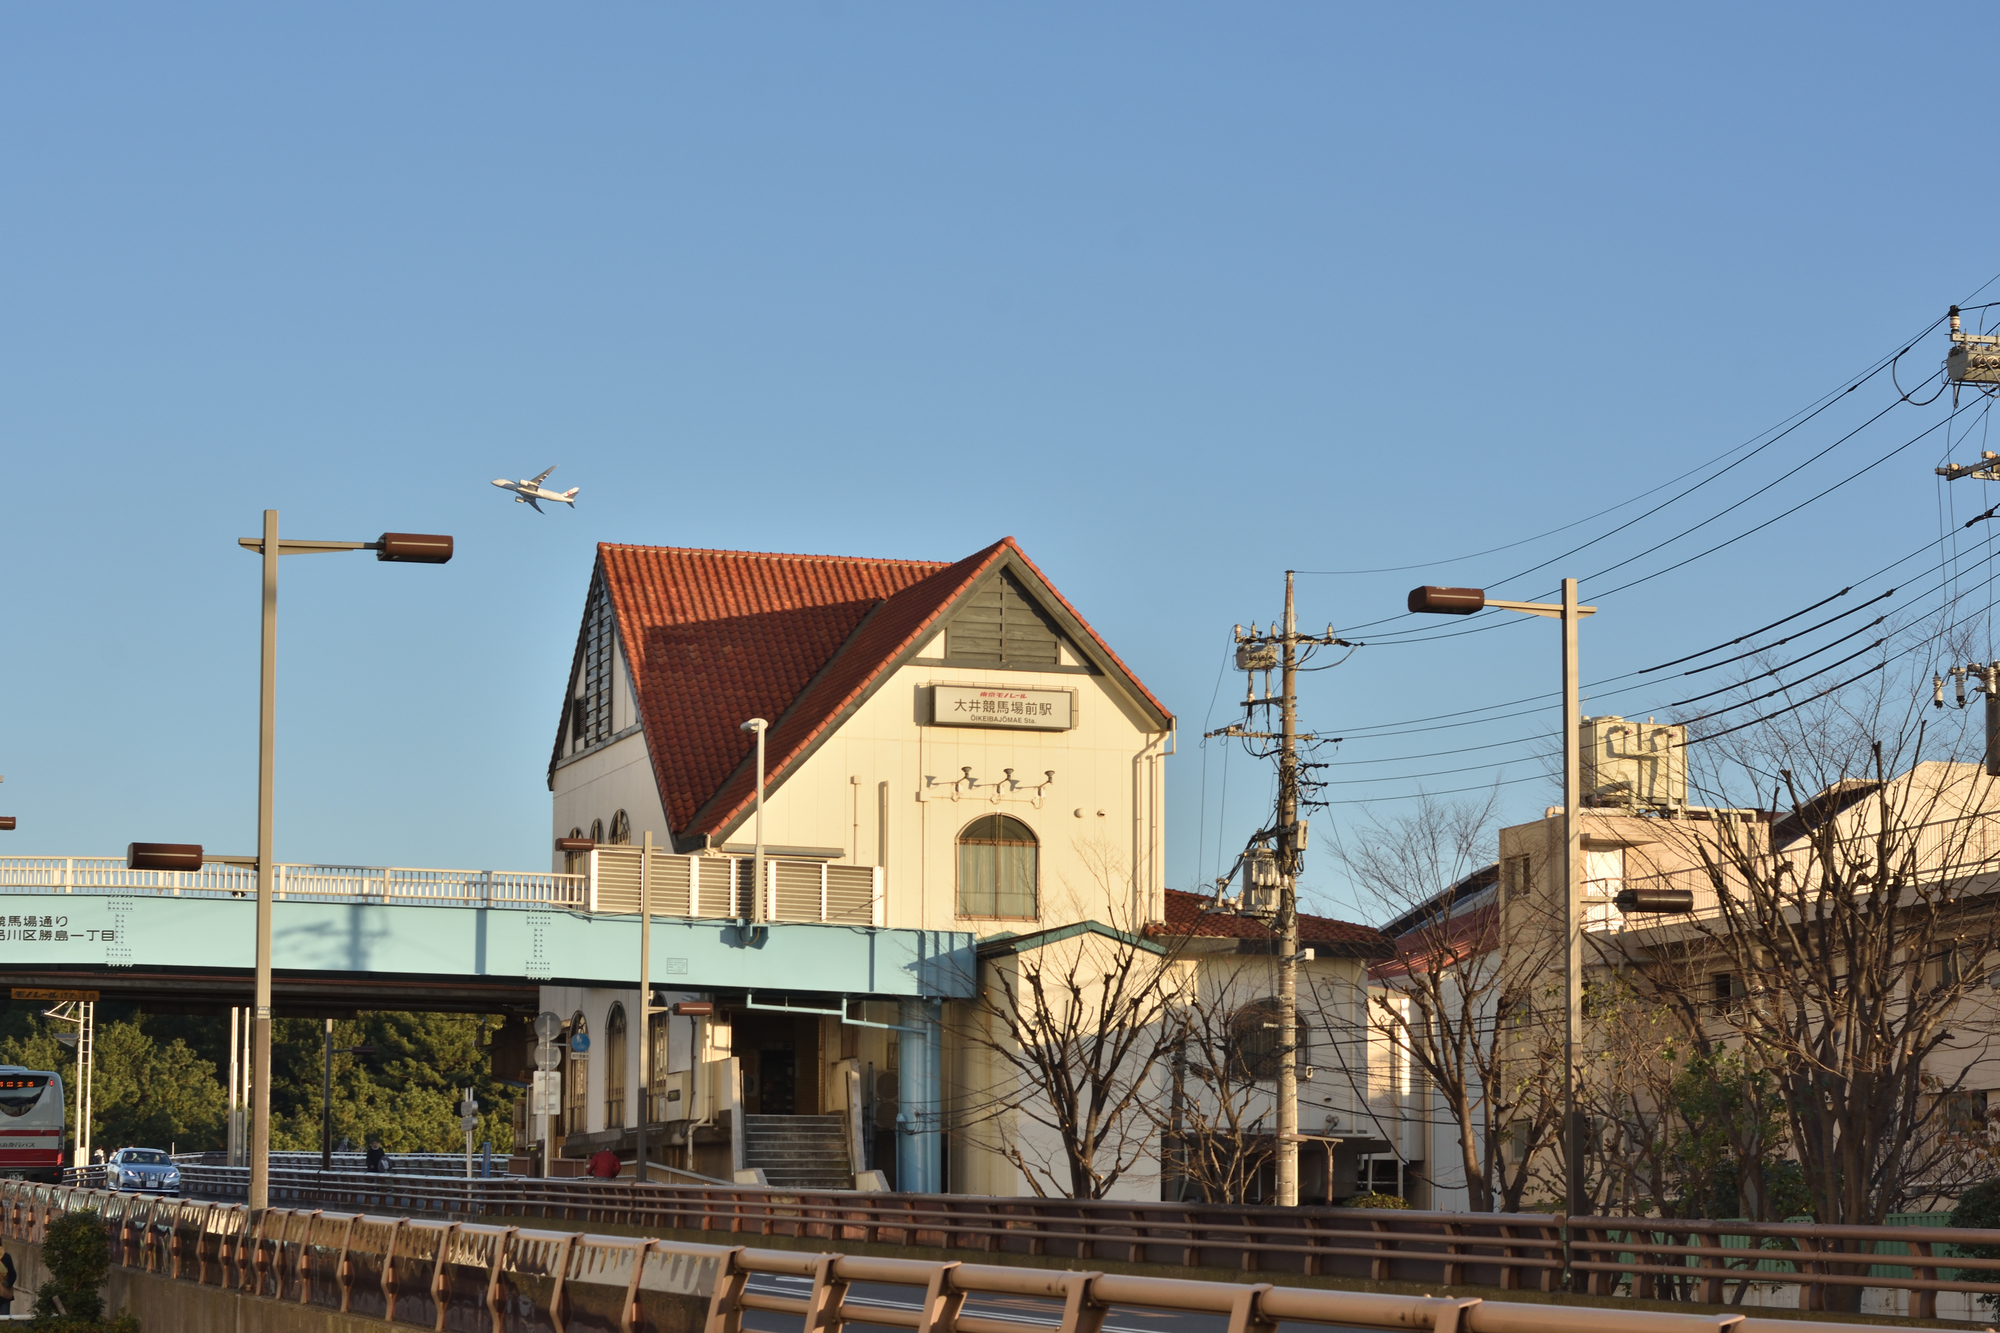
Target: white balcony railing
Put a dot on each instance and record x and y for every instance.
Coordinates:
(358, 884)
(707, 887)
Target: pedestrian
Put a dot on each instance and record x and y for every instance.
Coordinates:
(378, 1160)
(6, 1283)
(604, 1164)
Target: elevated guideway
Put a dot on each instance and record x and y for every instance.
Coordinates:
(395, 937)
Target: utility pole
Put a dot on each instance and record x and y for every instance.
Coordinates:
(1276, 855)
(1986, 679)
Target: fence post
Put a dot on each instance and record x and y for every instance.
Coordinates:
(1923, 1303)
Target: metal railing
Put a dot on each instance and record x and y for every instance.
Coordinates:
(415, 1163)
(344, 884)
(437, 1275)
(700, 887)
(1692, 1260)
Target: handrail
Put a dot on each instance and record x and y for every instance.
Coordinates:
(435, 1274)
(1508, 1251)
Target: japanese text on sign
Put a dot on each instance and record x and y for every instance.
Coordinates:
(983, 706)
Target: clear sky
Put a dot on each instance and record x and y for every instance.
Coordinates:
(1180, 296)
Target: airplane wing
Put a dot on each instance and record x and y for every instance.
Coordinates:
(531, 500)
(539, 480)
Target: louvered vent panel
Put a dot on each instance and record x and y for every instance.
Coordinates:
(850, 895)
(798, 891)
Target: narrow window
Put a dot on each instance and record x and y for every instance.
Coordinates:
(997, 867)
(1514, 874)
(614, 1068)
(1603, 873)
(576, 1082)
(597, 831)
(599, 641)
(621, 830)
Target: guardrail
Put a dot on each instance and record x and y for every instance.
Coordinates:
(1691, 1260)
(424, 1163)
(1510, 1251)
(462, 1275)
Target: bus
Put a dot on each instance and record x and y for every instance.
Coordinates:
(31, 1124)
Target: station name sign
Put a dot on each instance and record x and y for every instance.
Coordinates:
(988, 706)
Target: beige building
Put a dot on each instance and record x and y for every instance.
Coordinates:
(951, 749)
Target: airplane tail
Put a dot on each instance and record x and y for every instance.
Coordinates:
(569, 496)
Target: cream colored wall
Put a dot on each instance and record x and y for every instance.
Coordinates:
(602, 782)
(1330, 1004)
(596, 784)
(1101, 822)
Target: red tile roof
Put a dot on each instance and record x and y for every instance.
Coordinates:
(715, 637)
(1344, 938)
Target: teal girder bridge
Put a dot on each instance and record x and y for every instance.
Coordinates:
(465, 940)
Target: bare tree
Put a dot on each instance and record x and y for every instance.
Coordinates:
(1838, 951)
(1072, 1024)
(1215, 1124)
(1474, 1023)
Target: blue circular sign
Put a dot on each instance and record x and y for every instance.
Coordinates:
(579, 1043)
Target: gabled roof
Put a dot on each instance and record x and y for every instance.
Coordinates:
(1346, 939)
(713, 638)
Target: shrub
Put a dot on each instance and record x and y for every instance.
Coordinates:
(1978, 1207)
(77, 1261)
(1374, 1200)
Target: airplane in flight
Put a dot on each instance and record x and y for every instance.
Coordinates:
(528, 492)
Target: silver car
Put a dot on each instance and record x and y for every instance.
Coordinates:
(142, 1171)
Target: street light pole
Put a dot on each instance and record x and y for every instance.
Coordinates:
(645, 1001)
(1572, 874)
(404, 547)
(1464, 602)
(260, 1015)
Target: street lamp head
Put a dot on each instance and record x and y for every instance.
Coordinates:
(414, 548)
(163, 856)
(754, 724)
(1447, 601)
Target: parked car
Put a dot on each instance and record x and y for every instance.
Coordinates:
(143, 1171)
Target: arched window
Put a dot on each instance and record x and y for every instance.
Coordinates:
(597, 831)
(575, 862)
(1253, 1042)
(614, 1068)
(997, 866)
(576, 1082)
(621, 830)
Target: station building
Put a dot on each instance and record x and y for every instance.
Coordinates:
(951, 750)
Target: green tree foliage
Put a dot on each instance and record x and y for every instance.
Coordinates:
(160, 1078)
(1734, 1142)
(160, 1094)
(405, 1092)
(1979, 1206)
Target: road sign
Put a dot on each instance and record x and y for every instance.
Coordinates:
(546, 1095)
(57, 996)
(548, 1026)
(546, 1056)
(468, 1123)
(579, 1042)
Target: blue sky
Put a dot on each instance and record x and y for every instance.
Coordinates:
(1179, 296)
